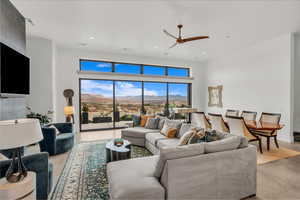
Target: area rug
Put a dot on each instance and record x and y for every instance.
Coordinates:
(275, 154)
(84, 174)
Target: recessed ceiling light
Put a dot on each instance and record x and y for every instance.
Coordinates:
(83, 44)
(155, 47)
(91, 38)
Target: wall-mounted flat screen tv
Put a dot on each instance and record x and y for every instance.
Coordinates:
(14, 72)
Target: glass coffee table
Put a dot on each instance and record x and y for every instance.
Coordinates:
(114, 153)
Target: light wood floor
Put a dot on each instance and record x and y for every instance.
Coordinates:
(278, 180)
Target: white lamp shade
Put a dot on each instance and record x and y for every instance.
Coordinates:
(22, 133)
(68, 110)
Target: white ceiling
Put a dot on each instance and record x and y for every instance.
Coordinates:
(137, 25)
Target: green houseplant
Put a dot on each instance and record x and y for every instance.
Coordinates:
(43, 118)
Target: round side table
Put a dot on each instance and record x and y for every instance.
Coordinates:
(24, 189)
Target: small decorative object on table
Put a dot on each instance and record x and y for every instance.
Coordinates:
(121, 152)
(119, 142)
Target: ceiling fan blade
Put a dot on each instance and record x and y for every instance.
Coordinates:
(194, 38)
(173, 45)
(169, 34)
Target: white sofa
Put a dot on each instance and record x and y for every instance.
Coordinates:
(152, 139)
(224, 169)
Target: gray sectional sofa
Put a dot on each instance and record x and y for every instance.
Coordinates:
(152, 139)
(224, 169)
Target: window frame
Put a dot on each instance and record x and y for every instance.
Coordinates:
(166, 67)
(189, 97)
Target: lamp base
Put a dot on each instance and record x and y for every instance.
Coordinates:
(18, 164)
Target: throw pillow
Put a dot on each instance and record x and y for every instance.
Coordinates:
(186, 137)
(171, 133)
(183, 129)
(198, 137)
(136, 120)
(161, 122)
(3, 157)
(170, 153)
(213, 135)
(144, 119)
(57, 132)
(170, 124)
(152, 123)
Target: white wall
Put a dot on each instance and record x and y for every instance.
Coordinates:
(258, 78)
(297, 84)
(66, 76)
(40, 52)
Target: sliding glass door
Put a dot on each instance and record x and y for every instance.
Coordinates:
(106, 104)
(155, 97)
(97, 104)
(128, 101)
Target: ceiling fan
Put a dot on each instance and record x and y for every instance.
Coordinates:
(180, 40)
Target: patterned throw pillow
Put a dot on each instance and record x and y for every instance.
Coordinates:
(136, 120)
(171, 133)
(144, 119)
(57, 132)
(198, 137)
(3, 157)
(152, 123)
(213, 135)
(186, 137)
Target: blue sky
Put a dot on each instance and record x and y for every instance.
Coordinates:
(130, 88)
(130, 69)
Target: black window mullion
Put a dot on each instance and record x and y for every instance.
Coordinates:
(166, 71)
(114, 104)
(113, 67)
(142, 69)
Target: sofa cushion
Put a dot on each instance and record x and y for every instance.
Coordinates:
(152, 123)
(138, 132)
(171, 153)
(167, 143)
(183, 129)
(153, 138)
(185, 139)
(226, 144)
(64, 136)
(144, 119)
(161, 122)
(170, 124)
(133, 179)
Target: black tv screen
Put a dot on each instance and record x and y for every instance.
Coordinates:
(14, 71)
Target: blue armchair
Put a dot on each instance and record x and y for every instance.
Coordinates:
(39, 164)
(57, 144)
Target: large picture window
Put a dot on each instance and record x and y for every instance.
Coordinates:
(132, 68)
(106, 104)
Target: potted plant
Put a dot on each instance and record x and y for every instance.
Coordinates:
(43, 118)
(85, 114)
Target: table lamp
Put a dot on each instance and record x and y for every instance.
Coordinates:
(15, 134)
(68, 111)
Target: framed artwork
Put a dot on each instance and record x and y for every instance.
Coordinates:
(215, 96)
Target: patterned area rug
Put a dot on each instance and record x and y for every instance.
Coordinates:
(84, 175)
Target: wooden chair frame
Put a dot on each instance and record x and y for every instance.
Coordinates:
(272, 135)
(252, 140)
